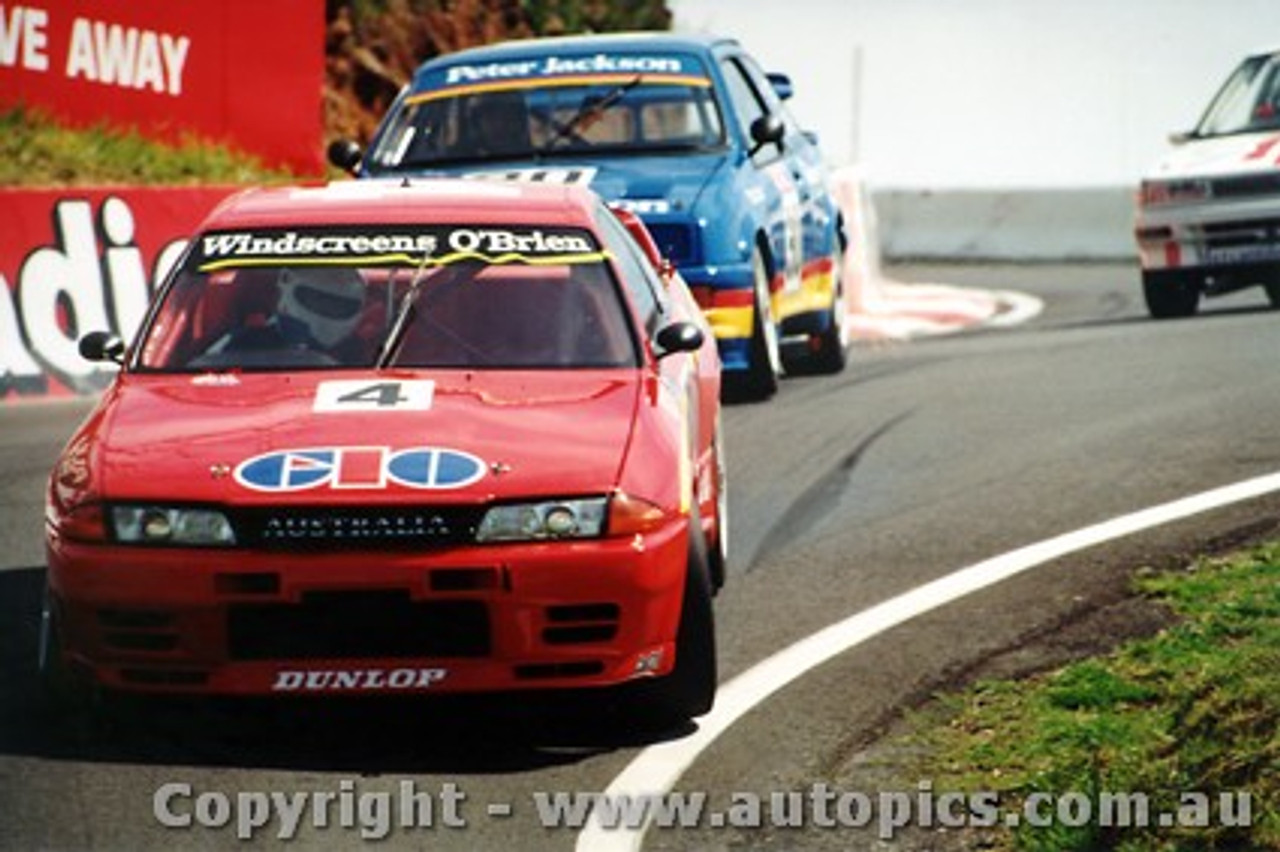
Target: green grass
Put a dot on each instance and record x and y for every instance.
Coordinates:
(1195, 708)
(36, 151)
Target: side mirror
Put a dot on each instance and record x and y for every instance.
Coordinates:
(781, 85)
(345, 154)
(767, 130)
(678, 337)
(102, 346)
(1181, 137)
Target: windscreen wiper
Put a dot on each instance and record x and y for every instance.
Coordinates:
(403, 314)
(445, 279)
(591, 108)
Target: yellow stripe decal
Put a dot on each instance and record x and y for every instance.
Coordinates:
(409, 261)
(815, 294)
(557, 82)
(730, 322)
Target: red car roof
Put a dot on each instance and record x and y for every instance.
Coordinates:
(422, 200)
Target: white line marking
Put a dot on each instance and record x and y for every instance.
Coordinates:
(1021, 307)
(656, 769)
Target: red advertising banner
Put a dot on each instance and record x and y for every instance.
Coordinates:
(79, 260)
(248, 73)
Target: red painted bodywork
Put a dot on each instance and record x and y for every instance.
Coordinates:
(156, 618)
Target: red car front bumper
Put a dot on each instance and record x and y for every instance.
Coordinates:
(477, 618)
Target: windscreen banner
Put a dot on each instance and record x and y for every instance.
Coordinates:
(79, 260)
(246, 73)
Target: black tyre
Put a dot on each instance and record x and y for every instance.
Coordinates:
(718, 556)
(68, 696)
(830, 357)
(1170, 294)
(760, 380)
(690, 689)
(1273, 294)
(57, 683)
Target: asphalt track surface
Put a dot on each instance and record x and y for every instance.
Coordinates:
(921, 459)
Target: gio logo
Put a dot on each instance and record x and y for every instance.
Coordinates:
(427, 468)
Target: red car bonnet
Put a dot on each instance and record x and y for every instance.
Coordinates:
(555, 433)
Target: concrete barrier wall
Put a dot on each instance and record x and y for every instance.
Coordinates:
(1023, 224)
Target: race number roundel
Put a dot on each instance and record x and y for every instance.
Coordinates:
(426, 468)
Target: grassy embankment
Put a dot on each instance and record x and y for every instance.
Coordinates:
(35, 151)
(1195, 708)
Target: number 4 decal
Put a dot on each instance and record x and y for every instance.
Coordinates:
(382, 395)
(365, 395)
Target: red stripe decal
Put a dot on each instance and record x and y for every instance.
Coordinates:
(733, 298)
(1263, 149)
(821, 266)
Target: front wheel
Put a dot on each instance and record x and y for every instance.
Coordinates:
(760, 380)
(68, 697)
(690, 689)
(718, 556)
(1170, 293)
(59, 686)
(1273, 294)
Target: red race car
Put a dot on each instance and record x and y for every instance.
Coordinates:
(394, 438)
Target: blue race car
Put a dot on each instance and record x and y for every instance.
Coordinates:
(685, 131)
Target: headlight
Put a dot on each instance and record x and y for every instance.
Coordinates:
(167, 525)
(1155, 193)
(551, 519)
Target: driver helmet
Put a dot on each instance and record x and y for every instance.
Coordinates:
(321, 304)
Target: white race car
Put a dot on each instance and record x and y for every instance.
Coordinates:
(1208, 218)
